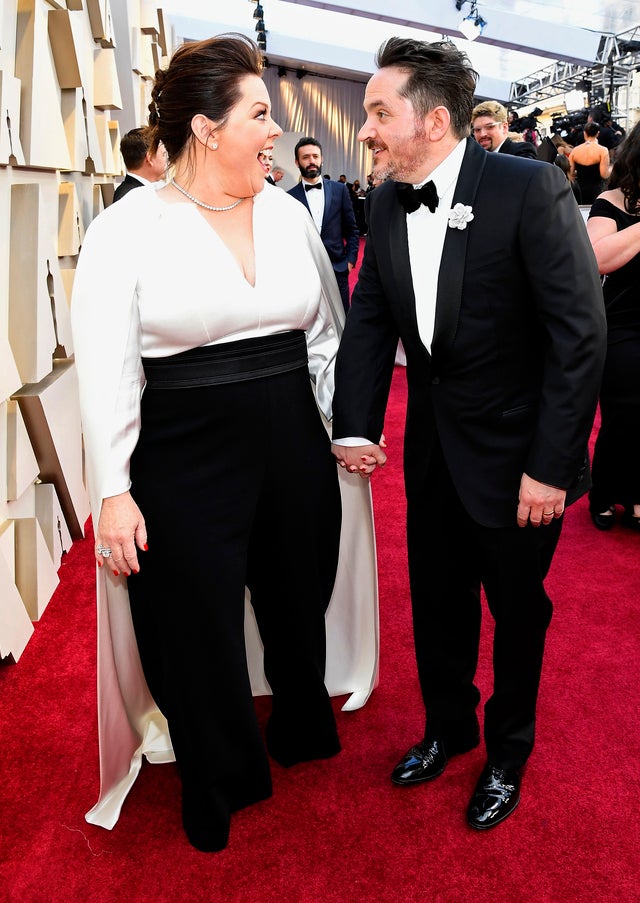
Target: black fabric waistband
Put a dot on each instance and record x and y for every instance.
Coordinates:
(228, 362)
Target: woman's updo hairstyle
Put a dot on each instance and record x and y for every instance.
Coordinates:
(202, 77)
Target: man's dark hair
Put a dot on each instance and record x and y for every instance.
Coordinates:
(134, 147)
(303, 141)
(438, 75)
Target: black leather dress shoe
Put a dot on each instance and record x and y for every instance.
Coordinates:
(427, 760)
(496, 795)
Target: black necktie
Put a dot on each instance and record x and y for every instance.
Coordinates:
(315, 185)
(411, 197)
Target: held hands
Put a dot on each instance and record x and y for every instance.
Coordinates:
(360, 459)
(120, 528)
(539, 503)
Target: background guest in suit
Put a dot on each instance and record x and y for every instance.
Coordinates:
(272, 176)
(490, 126)
(266, 158)
(143, 165)
(330, 206)
(590, 164)
(503, 329)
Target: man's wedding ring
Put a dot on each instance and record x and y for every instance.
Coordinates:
(548, 513)
(104, 551)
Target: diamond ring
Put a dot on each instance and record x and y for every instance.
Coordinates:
(104, 551)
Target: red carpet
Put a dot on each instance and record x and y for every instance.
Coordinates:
(338, 831)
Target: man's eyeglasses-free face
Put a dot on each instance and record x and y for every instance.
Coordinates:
(485, 128)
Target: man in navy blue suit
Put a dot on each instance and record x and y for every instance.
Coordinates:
(330, 206)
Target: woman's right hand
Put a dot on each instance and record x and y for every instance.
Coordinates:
(120, 528)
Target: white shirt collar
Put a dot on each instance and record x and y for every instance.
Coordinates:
(446, 173)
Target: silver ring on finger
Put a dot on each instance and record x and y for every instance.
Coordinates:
(105, 551)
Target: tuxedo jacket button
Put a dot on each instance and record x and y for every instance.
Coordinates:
(435, 381)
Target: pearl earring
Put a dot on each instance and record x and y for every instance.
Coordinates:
(214, 147)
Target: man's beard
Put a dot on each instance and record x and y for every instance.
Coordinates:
(400, 170)
(311, 172)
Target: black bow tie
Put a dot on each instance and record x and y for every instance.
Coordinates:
(411, 197)
(315, 185)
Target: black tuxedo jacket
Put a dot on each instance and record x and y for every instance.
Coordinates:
(340, 234)
(127, 184)
(518, 149)
(512, 380)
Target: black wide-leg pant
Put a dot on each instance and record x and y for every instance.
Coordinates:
(238, 487)
(450, 558)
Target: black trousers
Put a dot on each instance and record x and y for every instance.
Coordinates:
(238, 486)
(450, 558)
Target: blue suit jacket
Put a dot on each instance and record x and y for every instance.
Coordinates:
(339, 233)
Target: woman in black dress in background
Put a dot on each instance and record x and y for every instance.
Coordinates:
(614, 230)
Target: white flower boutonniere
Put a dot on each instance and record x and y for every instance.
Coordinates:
(459, 216)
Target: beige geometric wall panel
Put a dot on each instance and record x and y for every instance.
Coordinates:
(4, 461)
(31, 315)
(41, 128)
(110, 163)
(8, 34)
(52, 523)
(51, 414)
(144, 90)
(8, 544)
(162, 34)
(141, 55)
(80, 132)
(10, 380)
(149, 22)
(22, 464)
(67, 274)
(101, 22)
(70, 226)
(64, 49)
(98, 200)
(106, 87)
(11, 152)
(15, 625)
(36, 575)
(114, 134)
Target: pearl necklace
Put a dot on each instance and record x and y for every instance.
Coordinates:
(202, 203)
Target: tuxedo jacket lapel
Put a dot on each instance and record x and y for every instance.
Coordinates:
(327, 201)
(452, 263)
(399, 253)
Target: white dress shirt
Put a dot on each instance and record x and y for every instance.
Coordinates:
(315, 200)
(426, 233)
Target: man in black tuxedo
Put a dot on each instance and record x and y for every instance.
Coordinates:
(490, 128)
(330, 206)
(504, 333)
(143, 167)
